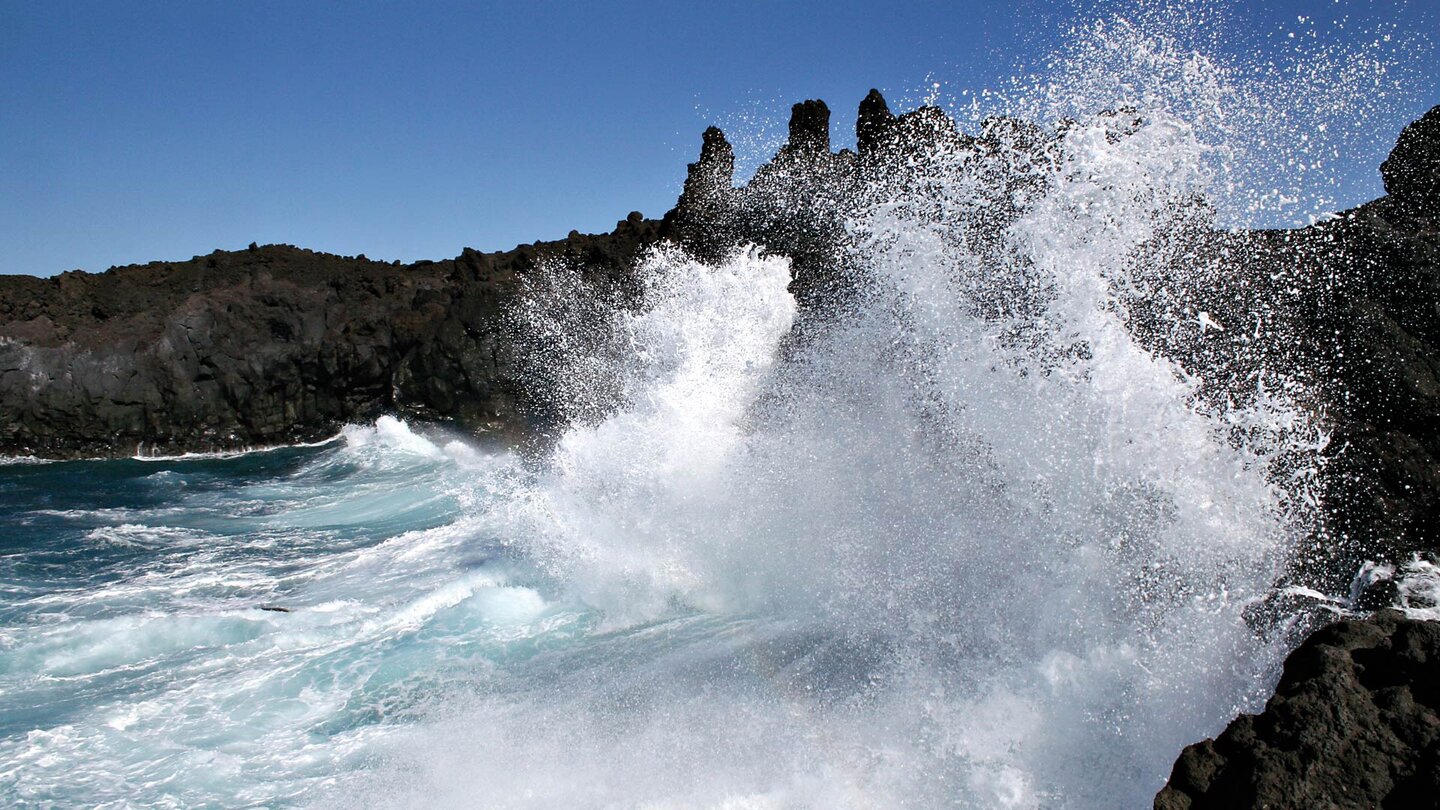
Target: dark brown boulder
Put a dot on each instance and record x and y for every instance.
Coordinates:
(1354, 723)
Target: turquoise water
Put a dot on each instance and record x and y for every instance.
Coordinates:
(292, 626)
(142, 655)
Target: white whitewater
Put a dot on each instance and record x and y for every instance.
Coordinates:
(910, 563)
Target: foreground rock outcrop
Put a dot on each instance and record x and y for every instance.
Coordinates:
(1354, 723)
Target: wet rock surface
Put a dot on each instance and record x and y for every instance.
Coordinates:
(1354, 723)
(1412, 171)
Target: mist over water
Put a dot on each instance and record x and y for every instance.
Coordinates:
(961, 539)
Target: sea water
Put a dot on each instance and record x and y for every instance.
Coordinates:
(969, 543)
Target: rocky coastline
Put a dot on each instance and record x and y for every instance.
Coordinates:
(276, 344)
(270, 345)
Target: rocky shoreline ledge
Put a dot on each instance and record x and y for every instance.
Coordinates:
(276, 344)
(265, 346)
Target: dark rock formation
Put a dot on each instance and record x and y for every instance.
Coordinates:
(268, 345)
(1412, 172)
(709, 181)
(874, 123)
(1355, 720)
(1354, 723)
(809, 128)
(1374, 331)
(787, 207)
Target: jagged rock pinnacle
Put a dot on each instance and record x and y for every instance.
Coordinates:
(874, 122)
(1412, 171)
(716, 152)
(809, 127)
(714, 172)
(709, 182)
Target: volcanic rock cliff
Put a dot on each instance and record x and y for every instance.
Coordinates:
(269, 345)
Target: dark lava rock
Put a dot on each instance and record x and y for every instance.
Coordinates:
(1354, 723)
(809, 127)
(1373, 332)
(1355, 720)
(270, 345)
(709, 181)
(1412, 172)
(874, 123)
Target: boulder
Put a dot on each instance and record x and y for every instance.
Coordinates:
(1354, 723)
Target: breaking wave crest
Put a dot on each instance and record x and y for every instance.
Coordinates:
(962, 535)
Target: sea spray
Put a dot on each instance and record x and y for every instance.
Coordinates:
(950, 547)
(963, 537)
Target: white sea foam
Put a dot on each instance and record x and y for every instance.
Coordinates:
(1419, 586)
(141, 455)
(1416, 581)
(18, 460)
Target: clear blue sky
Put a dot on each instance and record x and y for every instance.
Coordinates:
(136, 131)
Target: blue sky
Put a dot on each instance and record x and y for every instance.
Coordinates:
(139, 131)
